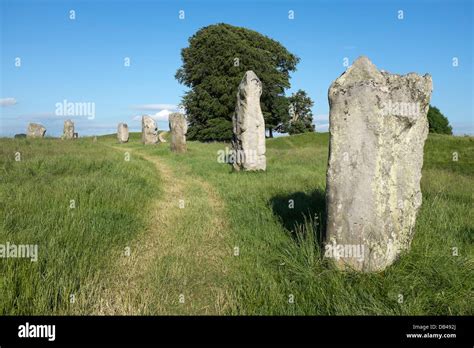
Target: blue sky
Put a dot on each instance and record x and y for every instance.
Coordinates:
(82, 60)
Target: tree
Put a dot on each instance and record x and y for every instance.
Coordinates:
(213, 65)
(438, 123)
(279, 115)
(301, 116)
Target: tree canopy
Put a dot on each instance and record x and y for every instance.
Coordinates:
(438, 123)
(301, 116)
(213, 65)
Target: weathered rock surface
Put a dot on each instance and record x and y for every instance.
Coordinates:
(122, 132)
(68, 132)
(378, 127)
(178, 129)
(35, 130)
(149, 130)
(249, 126)
(161, 137)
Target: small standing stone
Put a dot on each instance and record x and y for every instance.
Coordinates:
(249, 126)
(68, 132)
(149, 130)
(122, 132)
(161, 137)
(178, 129)
(378, 127)
(35, 130)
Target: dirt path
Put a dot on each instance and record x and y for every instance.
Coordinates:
(178, 266)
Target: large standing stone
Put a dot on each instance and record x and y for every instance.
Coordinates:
(178, 129)
(249, 126)
(35, 130)
(68, 132)
(378, 127)
(149, 130)
(122, 132)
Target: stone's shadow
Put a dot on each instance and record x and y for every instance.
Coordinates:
(306, 206)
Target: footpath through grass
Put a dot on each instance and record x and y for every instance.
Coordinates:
(235, 247)
(180, 264)
(279, 269)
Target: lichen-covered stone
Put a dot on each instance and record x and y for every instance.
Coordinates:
(378, 127)
(122, 132)
(249, 126)
(178, 129)
(149, 130)
(68, 131)
(35, 130)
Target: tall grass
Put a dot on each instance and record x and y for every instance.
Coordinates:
(279, 268)
(280, 251)
(74, 245)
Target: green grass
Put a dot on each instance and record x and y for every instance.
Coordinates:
(279, 253)
(74, 245)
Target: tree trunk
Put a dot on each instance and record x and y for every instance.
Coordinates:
(270, 132)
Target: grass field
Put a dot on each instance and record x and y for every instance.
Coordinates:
(163, 233)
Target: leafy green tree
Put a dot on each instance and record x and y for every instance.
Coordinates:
(213, 66)
(300, 114)
(279, 116)
(438, 123)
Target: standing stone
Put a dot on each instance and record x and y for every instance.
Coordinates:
(35, 130)
(378, 127)
(161, 137)
(178, 129)
(149, 130)
(249, 126)
(122, 132)
(68, 132)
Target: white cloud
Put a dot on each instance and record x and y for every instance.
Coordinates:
(162, 115)
(159, 116)
(321, 122)
(155, 107)
(321, 118)
(7, 101)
